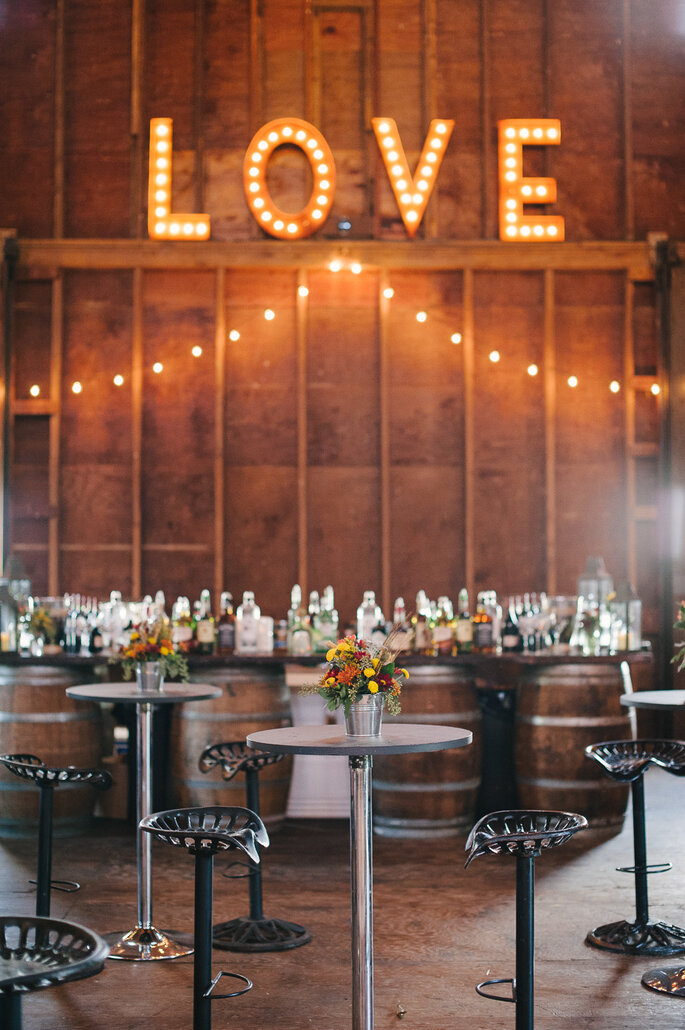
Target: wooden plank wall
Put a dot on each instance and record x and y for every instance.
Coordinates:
(343, 441)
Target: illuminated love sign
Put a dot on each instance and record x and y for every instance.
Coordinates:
(412, 192)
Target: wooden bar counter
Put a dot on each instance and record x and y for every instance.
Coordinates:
(532, 715)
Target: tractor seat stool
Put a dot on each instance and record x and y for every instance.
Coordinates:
(46, 778)
(255, 932)
(525, 835)
(204, 832)
(626, 762)
(36, 952)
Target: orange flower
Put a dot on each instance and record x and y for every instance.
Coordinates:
(347, 674)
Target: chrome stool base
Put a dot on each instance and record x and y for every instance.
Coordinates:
(144, 944)
(666, 981)
(638, 938)
(259, 935)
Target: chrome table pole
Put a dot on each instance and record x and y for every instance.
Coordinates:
(361, 877)
(145, 943)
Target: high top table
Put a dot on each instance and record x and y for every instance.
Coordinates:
(398, 739)
(671, 979)
(144, 942)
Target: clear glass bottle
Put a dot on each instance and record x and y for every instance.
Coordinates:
(369, 615)
(8, 618)
(443, 630)
(464, 627)
(327, 623)
(247, 625)
(295, 602)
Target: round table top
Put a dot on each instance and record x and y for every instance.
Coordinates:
(129, 693)
(398, 739)
(654, 699)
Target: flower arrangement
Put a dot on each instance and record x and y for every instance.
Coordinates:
(149, 643)
(43, 626)
(679, 657)
(355, 669)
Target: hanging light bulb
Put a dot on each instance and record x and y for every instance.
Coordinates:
(234, 335)
(35, 390)
(614, 386)
(532, 370)
(76, 387)
(196, 351)
(118, 380)
(421, 316)
(157, 367)
(494, 356)
(303, 291)
(572, 381)
(655, 389)
(455, 337)
(388, 292)
(269, 314)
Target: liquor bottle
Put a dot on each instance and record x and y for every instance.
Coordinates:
(295, 602)
(301, 636)
(247, 625)
(8, 618)
(443, 630)
(327, 621)
(483, 642)
(182, 622)
(403, 624)
(369, 615)
(423, 637)
(159, 614)
(379, 634)
(494, 609)
(205, 628)
(464, 626)
(511, 636)
(95, 642)
(313, 612)
(225, 630)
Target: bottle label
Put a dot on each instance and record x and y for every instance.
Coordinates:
(205, 631)
(226, 636)
(482, 636)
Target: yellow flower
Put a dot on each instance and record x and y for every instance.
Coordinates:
(374, 662)
(404, 672)
(330, 654)
(373, 686)
(164, 650)
(135, 636)
(368, 673)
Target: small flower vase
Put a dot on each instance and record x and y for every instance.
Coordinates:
(365, 716)
(149, 677)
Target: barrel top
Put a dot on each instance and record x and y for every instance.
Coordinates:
(128, 693)
(331, 740)
(665, 699)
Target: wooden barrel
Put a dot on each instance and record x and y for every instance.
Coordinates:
(37, 717)
(254, 698)
(434, 793)
(560, 710)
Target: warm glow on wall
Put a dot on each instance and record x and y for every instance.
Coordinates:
(161, 223)
(412, 193)
(311, 142)
(515, 190)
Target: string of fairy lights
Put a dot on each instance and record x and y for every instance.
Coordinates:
(355, 268)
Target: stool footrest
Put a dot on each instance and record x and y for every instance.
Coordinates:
(249, 868)
(656, 867)
(67, 886)
(259, 935)
(497, 997)
(638, 938)
(234, 994)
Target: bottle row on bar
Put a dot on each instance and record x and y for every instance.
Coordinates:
(526, 622)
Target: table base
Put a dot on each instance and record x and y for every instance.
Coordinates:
(259, 935)
(145, 944)
(639, 938)
(666, 981)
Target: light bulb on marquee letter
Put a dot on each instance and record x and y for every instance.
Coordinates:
(515, 190)
(298, 133)
(412, 194)
(161, 223)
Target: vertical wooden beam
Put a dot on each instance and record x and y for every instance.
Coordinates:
(198, 104)
(219, 431)
(385, 499)
(429, 89)
(627, 90)
(56, 351)
(312, 64)
(10, 257)
(468, 343)
(550, 393)
(302, 500)
(486, 203)
(137, 129)
(136, 433)
(257, 65)
(58, 138)
(368, 109)
(629, 441)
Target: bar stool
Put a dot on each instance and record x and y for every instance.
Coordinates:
(627, 761)
(36, 952)
(255, 932)
(30, 767)
(525, 835)
(204, 832)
